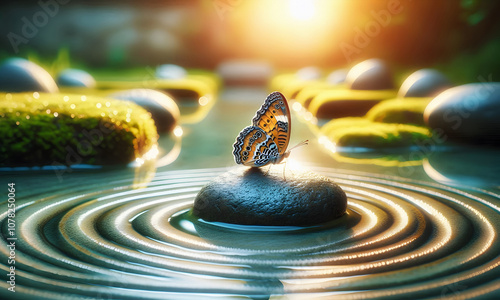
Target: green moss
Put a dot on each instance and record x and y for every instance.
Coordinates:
(360, 132)
(60, 129)
(405, 111)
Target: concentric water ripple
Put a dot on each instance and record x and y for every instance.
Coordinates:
(400, 239)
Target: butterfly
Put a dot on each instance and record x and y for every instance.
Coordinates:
(266, 140)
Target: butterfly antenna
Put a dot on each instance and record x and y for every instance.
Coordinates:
(303, 143)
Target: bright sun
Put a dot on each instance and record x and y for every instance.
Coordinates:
(302, 10)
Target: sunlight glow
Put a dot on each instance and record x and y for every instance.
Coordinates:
(139, 161)
(293, 164)
(302, 9)
(296, 106)
(308, 116)
(203, 100)
(150, 155)
(329, 145)
(178, 132)
(286, 30)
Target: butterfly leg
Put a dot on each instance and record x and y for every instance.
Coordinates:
(291, 171)
(269, 169)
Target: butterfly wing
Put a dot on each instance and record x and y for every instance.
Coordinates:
(274, 119)
(255, 148)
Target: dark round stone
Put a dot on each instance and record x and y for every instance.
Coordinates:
(371, 74)
(342, 108)
(21, 75)
(163, 108)
(468, 113)
(424, 83)
(248, 196)
(337, 76)
(75, 78)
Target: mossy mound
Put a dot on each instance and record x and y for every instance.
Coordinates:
(189, 89)
(340, 103)
(361, 132)
(307, 94)
(39, 129)
(404, 111)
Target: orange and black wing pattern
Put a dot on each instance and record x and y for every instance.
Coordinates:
(274, 118)
(255, 148)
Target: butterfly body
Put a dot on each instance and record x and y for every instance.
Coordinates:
(266, 140)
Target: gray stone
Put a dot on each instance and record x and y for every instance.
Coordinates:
(467, 113)
(21, 75)
(248, 196)
(309, 73)
(371, 74)
(75, 78)
(163, 109)
(424, 83)
(337, 76)
(245, 72)
(170, 71)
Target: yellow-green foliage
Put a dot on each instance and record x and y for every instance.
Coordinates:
(334, 125)
(53, 65)
(405, 111)
(191, 88)
(55, 129)
(340, 103)
(360, 132)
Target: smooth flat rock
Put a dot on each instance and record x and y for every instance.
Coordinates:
(468, 113)
(75, 78)
(245, 72)
(337, 76)
(341, 108)
(248, 196)
(424, 83)
(163, 108)
(21, 75)
(170, 71)
(371, 74)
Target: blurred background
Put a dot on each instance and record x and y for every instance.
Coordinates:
(458, 37)
(105, 186)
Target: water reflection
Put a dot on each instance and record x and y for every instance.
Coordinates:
(167, 152)
(196, 112)
(472, 166)
(400, 238)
